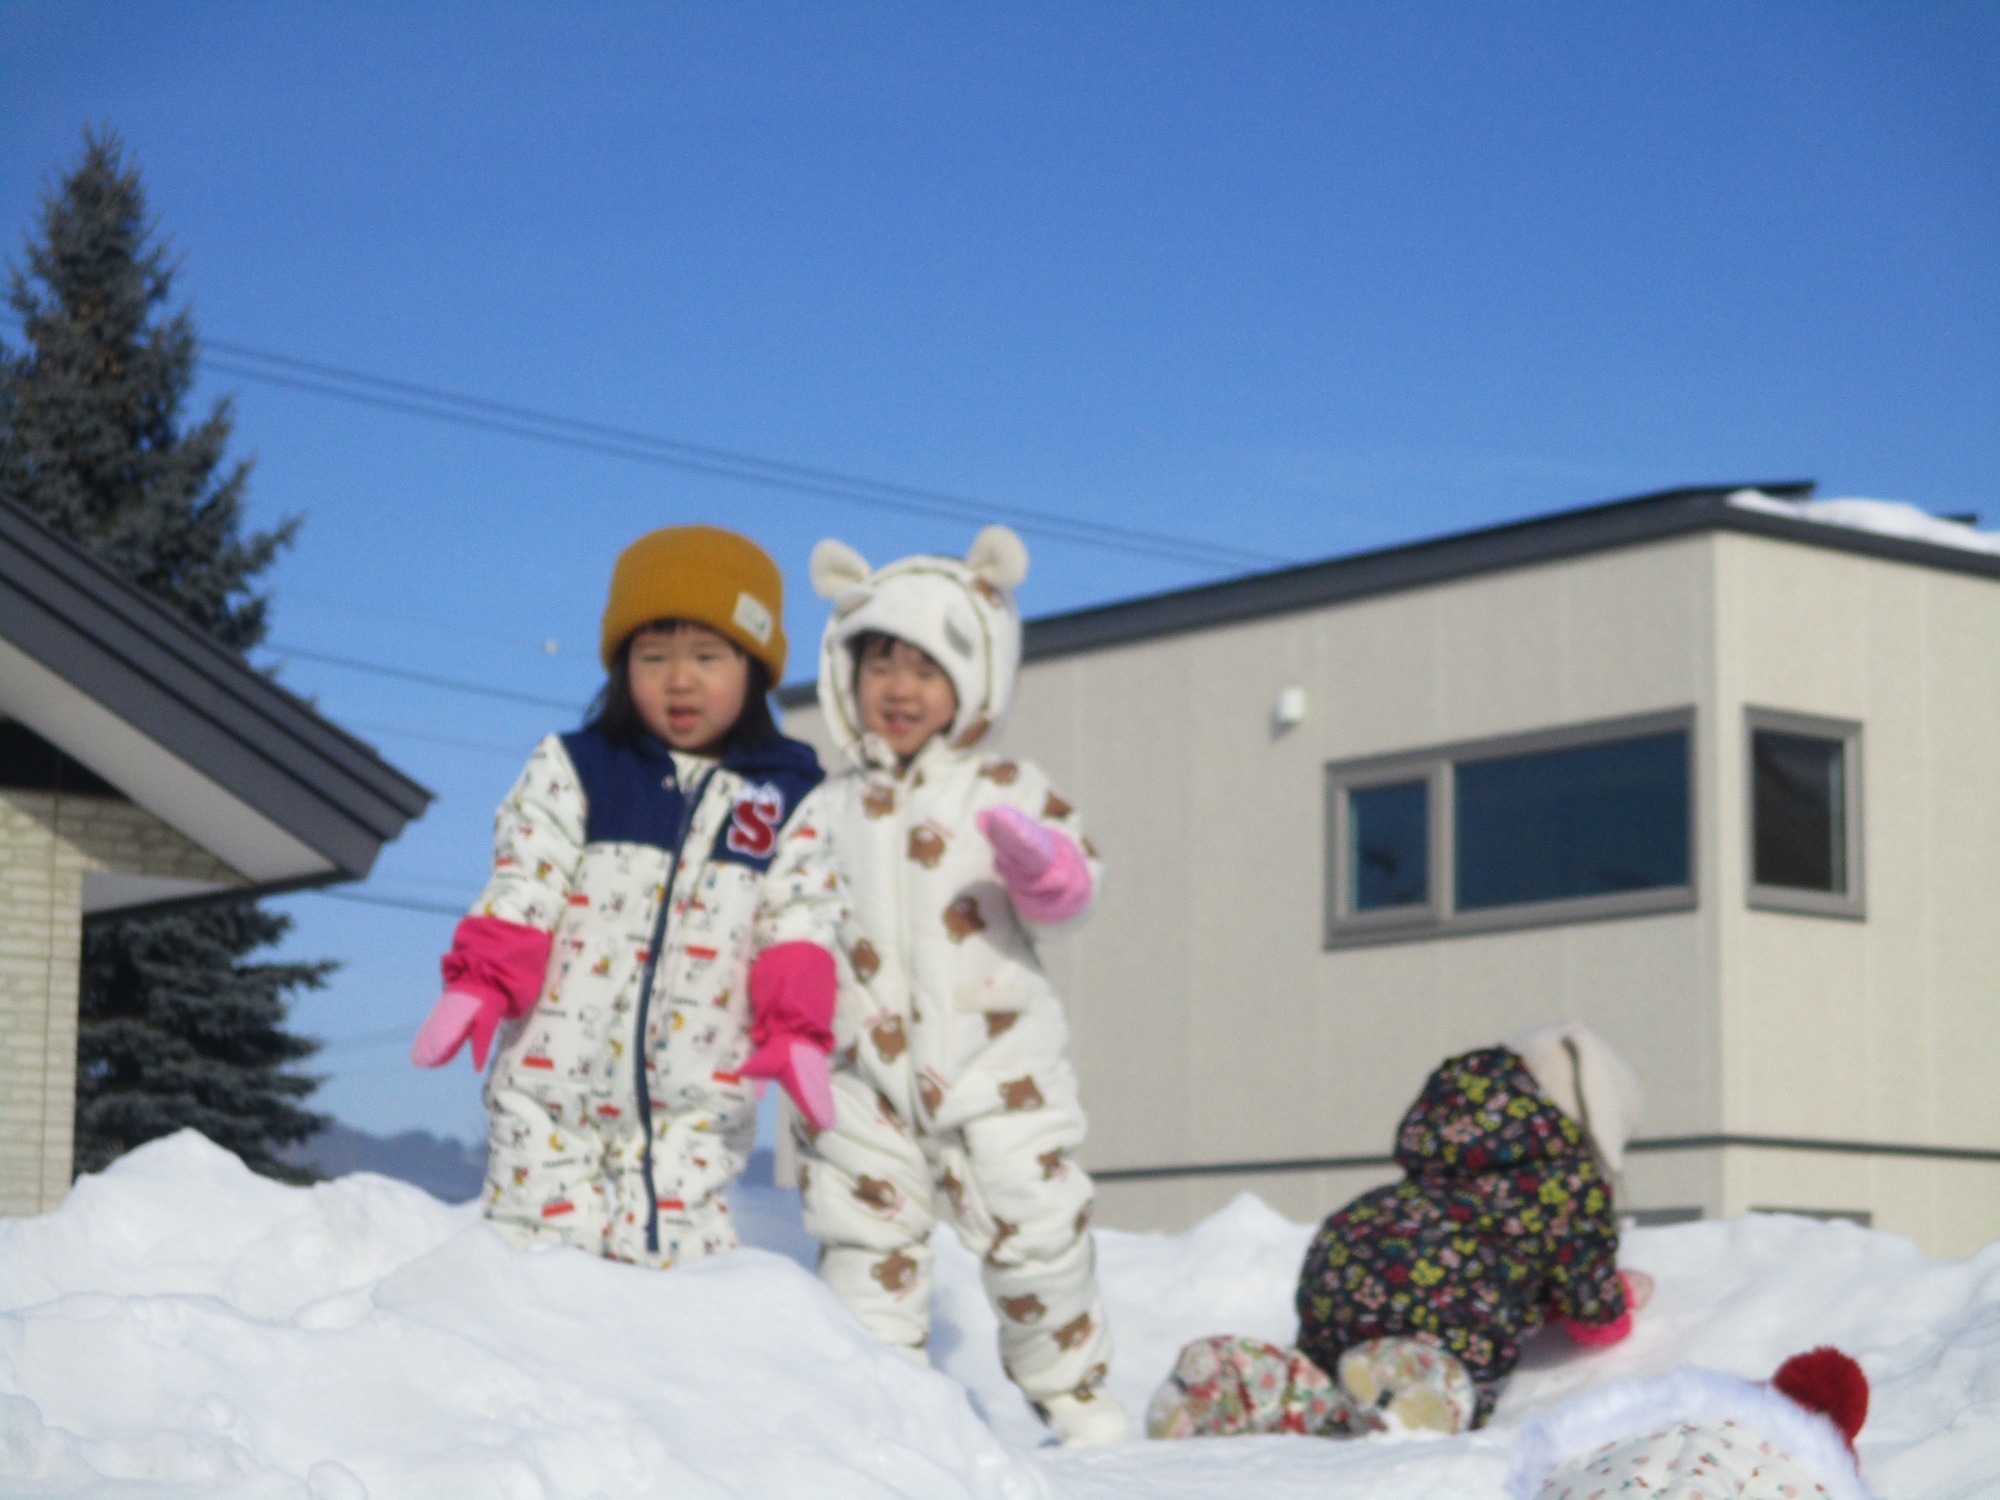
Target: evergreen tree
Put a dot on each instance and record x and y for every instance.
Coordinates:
(176, 1029)
(176, 1026)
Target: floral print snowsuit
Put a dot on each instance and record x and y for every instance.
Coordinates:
(1502, 1217)
(616, 1115)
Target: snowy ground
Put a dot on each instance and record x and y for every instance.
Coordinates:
(182, 1328)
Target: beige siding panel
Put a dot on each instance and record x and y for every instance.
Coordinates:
(1211, 823)
(1961, 926)
(1948, 1208)
(1127, 976)
(1302, 1197)
(1886, 1028)
(1673, 1179)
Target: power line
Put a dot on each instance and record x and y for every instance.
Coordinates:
(365, 1040)
(439, 404)
(345, 604)
(403, 674)
(435, 739)
(637, 448)
(436, 908)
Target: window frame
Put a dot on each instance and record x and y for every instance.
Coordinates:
(1384, 923)
(1439, 917)
(1850, 904)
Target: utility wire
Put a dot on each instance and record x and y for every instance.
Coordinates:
(437, 908)
(365, 1040)
(475, 746)
(403, 674)
(638, 449)
(443, 405)
(342, 604)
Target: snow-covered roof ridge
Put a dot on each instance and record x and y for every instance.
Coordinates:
(1882, 517)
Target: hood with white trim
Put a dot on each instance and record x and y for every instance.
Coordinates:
(959, 613)
(1625, 1409)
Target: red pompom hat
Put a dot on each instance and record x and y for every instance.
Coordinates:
(1828, 1382)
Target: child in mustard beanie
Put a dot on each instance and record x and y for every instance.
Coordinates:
(658, 928)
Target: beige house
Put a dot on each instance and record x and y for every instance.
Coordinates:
(142, 767)
(1716, 775)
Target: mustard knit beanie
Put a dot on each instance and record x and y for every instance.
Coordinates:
(705, 574)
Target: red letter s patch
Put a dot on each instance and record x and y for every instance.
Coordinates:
(753, 826)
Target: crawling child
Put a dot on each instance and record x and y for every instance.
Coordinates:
(1415, 1297)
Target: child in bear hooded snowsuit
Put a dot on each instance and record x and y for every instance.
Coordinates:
(1415, 1297)
(953, 1086)
(655, 912)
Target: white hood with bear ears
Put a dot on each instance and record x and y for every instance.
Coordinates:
(961, 614)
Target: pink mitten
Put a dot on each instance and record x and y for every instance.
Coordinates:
(1043, 870)
(492, 973)
(455, 1018)
(792, 989)
(1638, 1288)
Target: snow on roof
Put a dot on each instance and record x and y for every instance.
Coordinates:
(1883, 517)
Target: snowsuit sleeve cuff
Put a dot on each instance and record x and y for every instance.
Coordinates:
(500, 962)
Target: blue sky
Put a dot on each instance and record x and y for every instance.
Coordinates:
(1289, 280)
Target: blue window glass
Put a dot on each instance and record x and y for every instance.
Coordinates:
(1389, 840)
(1586, 820)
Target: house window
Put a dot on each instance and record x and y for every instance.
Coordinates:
(1805, 813)
(1590, 821)
(1390, 857)
(1585, 820)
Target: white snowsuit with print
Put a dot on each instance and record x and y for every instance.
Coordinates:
(617, 1117)
(953, 1085)
(1691, 1434)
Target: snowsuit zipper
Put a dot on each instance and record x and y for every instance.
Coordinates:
(689, 807)
(905, 815)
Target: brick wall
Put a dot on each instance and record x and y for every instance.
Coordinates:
(48, 843)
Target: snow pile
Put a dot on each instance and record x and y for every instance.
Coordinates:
(182, 1328)
(1883, 517)
(183, 1322)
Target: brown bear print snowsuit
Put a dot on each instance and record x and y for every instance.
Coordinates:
(953, 1086)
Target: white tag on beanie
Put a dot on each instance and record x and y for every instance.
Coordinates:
(754, 618)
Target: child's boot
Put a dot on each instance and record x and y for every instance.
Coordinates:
(1086, 1419)
(1422, 1386)
(1228, 1386)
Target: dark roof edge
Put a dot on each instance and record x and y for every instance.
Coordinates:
(218, 668)
(1657, 516)
(175, 683)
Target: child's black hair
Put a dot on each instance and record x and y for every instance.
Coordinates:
(613, 714)
(879, 642)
